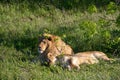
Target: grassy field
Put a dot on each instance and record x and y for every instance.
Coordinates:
(91, 29)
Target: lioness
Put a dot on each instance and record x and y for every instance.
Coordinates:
(49, 43)
(75, 60)
(71, 61)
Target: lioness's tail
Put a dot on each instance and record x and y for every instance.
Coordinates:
(109, 59)
(115, 59)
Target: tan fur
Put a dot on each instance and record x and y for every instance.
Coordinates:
(89, 57)
(75, 60)
(51, 59)
(96, 54)
(52, 44)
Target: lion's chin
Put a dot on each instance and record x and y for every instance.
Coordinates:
(40, 51)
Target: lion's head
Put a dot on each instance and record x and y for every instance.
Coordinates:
(44, 44)
(46, 41)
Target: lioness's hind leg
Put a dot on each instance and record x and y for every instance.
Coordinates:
(78, 67)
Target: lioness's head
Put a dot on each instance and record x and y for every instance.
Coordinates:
(51, 58)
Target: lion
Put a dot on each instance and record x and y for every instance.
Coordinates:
(49, 43)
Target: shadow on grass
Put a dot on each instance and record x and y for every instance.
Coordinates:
(28, 42)
(61, 4)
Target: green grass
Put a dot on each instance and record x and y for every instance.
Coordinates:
(21, 24)
(16, 65)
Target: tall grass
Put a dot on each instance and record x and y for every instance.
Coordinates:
(93, 29)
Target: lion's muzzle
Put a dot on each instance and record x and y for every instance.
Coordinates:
(39, 50)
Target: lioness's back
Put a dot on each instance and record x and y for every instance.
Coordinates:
(96, 54)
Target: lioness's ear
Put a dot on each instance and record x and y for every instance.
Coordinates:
(49, 54)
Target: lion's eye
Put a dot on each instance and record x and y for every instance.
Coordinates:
(44, 42)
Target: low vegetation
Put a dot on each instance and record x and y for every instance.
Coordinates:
(84, 28)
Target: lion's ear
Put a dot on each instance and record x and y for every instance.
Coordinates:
(50, 38)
